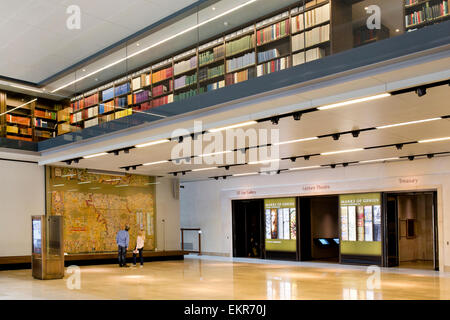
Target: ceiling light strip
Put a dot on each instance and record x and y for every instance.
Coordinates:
(238, 125)
(152, 143)
(434, 140)
(408, 123)
(354, 101)
(95, 155)
(156, 44)
(341, 151)
(154, 163)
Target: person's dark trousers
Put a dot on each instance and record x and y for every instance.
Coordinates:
(122, 256)
(141, 257)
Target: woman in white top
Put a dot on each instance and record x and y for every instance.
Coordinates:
(139, 247)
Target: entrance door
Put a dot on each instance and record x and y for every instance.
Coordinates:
(391, 232)
(247, 224)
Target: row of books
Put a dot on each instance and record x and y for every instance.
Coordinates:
(162, 75)
(208, 73)
(45, 114)
(18, 120)
(91, 123)
(273, 32)
(44, 134)
(108, 94)
(161, 89)
(123, 113)
(214, 86)
(18, 138)
(163, 100)
(64, 114)
(106, 107)
(107, 118)
(185, 95)
(210, 56)
(65, 128)
(77, 105)
(185, 81)
(76, 117)
(185, 65)
(236, 77)
(239, 45)
(241, 62)
(17, 130)
(272, 66)
(142, 81)
(309, 55)
(143, 106)
(310, 18)
(411, 2)
(43, 124)
(138, 97)
(122, 89)
(268, 55)
(428, 12)
(121, 102)
(91, 100)
(309, 38)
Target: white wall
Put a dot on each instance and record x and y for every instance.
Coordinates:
(207, 204)
(22, 194)
(167, 209)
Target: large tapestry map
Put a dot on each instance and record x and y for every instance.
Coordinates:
(95, 207)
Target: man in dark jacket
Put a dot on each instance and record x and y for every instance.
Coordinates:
(123, 239)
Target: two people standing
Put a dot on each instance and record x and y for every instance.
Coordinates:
(123, 240)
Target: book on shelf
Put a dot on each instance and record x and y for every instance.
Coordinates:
(122, 89)
(310, 18)
(273, 32)
(123, 113)
(44, 124)
(162, 75)
(309, 55)
(241, 62)
(91, 100)
(90, 112)
(106, 118)
(143, 106)
(77, 105)
(185, 65)
(239, 45)
(76, 117)
(162, 100)
(106, 107)
(43, 134)
(272, 66)
(240, 76)
(121, 102)
(184, 95)
(45, 114)
(18, 120)
(90, 123)
(138, 97)
(136, 83)
(160, 90)
(17, 130)
(108, 94)
(213, 86)
(268, 55)
(411, 2)
(427, 12)
(64, 115)
(185, 81)
(66, 128)
(215, 54)
(208, 73)
(18, 138)
(310, 38)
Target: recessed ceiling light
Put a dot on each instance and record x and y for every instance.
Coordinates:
(225, 23)
(397, 30)
(213, 8)
(137, 44)
(84, 70)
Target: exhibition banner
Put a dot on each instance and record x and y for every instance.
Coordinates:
(281, 224)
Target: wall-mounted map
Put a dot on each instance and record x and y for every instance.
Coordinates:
(95, 207)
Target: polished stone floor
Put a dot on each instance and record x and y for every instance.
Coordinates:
(227, 278)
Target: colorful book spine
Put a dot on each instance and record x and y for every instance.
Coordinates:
(108, 94)
(273, 66)
(241, 62)
(162, 75)
(91, 100)
(273, 32)
(185, 65)
(239, 45)
(122, 89)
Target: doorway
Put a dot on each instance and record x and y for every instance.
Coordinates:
(411, 230)
(319, 228)
(247, 225)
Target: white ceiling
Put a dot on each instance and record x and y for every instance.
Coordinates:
(36, 43)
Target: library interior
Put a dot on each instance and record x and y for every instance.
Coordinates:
(225, 149)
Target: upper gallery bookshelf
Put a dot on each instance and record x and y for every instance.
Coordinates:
(33, 121)
(288, 37)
